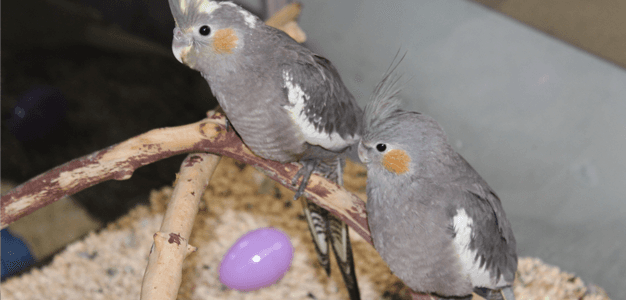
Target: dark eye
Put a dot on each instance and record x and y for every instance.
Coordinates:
(381, 147)
(205, 30)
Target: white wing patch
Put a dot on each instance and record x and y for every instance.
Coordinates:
(297, 99)
(479, 276)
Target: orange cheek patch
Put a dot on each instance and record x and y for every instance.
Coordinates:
(396, 161)
(224, 41)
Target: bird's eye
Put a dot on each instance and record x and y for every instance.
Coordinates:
(381, 147)
(205, 30)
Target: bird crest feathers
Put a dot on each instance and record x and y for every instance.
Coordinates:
(384, 102)
(186, 11)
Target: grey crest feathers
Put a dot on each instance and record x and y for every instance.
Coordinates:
(189, 12)
(384, 101)
(180, 17)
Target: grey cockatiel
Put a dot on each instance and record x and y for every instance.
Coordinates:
(287, 103)
(433, 219)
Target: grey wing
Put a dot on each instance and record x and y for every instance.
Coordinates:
(320, 104)
(491, 246)
(462, 175)
(495, 244)
(473, 183)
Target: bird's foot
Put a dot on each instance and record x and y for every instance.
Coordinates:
(308, 166)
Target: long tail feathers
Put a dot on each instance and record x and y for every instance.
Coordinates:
(318, 224)
(326, 229)
(343, 253)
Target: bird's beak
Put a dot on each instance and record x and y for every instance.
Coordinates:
(363, 153)
(180, 45)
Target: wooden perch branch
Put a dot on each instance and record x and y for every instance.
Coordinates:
(209, 135)
(285, 20)
(164, 272)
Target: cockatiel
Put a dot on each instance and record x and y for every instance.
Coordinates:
(435, 222)
(287, 103)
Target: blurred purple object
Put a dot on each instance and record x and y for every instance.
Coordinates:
(258, 259)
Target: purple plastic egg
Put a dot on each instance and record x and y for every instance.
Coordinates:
(258, 259)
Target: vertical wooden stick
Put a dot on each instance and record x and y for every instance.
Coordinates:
(164, 272)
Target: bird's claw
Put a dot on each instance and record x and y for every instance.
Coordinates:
(304, 172)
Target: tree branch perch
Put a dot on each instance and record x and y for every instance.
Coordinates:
(208, 135)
